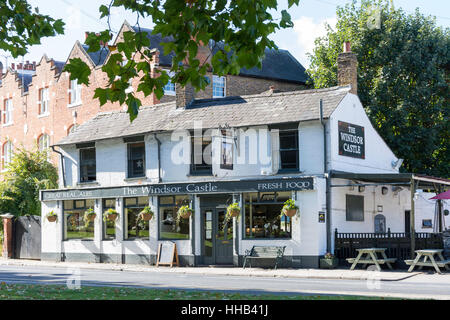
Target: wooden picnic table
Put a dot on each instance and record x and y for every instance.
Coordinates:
(428, 260)
(371, 258)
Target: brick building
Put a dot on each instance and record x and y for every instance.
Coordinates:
(40, 105)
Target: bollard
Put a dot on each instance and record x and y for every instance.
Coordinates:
(7, 235)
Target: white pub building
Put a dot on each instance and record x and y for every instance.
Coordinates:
(317, 147)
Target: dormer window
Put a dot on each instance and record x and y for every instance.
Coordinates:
(169, 88)
(219, 87)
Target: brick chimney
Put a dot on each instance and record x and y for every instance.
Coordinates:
(348, 68)
(184, 95)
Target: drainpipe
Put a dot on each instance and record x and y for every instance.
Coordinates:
(159, 157)
(327, 177)
(61, 159)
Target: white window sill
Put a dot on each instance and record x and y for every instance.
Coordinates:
(88, 183)
(135, 179)
(169, 93)
(75, 104)
(8, 124)
(43, 115)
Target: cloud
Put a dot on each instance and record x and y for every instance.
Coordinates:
(307, 30)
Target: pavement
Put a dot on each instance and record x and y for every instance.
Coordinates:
(341, 273)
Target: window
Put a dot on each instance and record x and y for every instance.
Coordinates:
(109, 227)
(354, 208)
(74, 225)
(168, 208)
(218, 87)
(169, 88)
(88, 169)
(135, 228)
(74, 93)
(7, 154)
(262, 215)
(8, 112)
(427, 224)
(136, 160)
(289, 150)
(201, 154)
(43, 101)
(44, 144)
(380, 223)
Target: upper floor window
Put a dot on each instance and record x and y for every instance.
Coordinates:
(289, 156)
(8, 112)
(74, 92)
(88, 168)
(201, 155)
(136, 160)
(218, 87)
(43, 101)
(7, 154)
(169, 88)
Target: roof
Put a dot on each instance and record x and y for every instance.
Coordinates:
(25, 79)
(397, 178)
(277, 64)
(97, 57)
(241, 111)
(59, 65)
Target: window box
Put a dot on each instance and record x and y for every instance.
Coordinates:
(330, 263)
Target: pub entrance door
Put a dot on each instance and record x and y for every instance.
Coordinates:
(217, 244)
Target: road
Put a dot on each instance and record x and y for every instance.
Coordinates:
(415, 287)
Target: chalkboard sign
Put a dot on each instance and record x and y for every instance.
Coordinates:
(167, 254)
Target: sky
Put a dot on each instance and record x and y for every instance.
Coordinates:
(309, 19)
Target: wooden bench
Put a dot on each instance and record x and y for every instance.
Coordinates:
(371, 258)
(264, 252)
(425, 258)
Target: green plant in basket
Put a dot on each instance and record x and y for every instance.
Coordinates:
(184, 213)
(51, 216)
(289, 208)
(110, 215)
(89, 215)
(233, 210)
(146, 214)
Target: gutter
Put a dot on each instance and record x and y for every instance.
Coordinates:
(61, 159)
(159, 156)
(326, 174)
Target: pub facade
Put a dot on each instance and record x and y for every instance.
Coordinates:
(257, 151)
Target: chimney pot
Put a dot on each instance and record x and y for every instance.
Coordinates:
(184, 95)
(348, 68)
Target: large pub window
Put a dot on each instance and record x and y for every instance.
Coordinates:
(109, 227)
(136, 160)
(201, 155)
(135, 227)
(168, 227)
(74, 225)
(262, 215)
(289, 150)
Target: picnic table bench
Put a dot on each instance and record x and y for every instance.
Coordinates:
(264, 252)
(371, 258)
(428, 255)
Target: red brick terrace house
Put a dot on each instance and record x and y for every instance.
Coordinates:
(40, 105)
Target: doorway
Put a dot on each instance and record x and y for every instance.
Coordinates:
(217, 237)
(407, 221)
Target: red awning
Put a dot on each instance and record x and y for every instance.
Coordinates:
(442, 196)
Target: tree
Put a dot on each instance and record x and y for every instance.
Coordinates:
(403, 74)
(26, 174)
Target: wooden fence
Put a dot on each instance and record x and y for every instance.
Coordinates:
(398, 244)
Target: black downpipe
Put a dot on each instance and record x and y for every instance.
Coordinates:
(327, 177)
(61, 159)
(159, 157)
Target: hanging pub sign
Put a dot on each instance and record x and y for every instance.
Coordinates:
(351, 140)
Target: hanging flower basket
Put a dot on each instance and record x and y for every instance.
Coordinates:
(146, 214)
(185, 212)
(289, 208)
(110, 215)
(89, 215)
(52, 216)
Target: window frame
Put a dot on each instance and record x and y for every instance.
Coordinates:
(219, 83)
(349, 217)
(170, 84)
(80, 152)
(6, 155)
(74, 92)
(8, 108)
(197, 168)
(104, 208)
(83, 209)
(130, 161)
(296, 149)
(44, 100)
(171, 205)
(126, 236)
